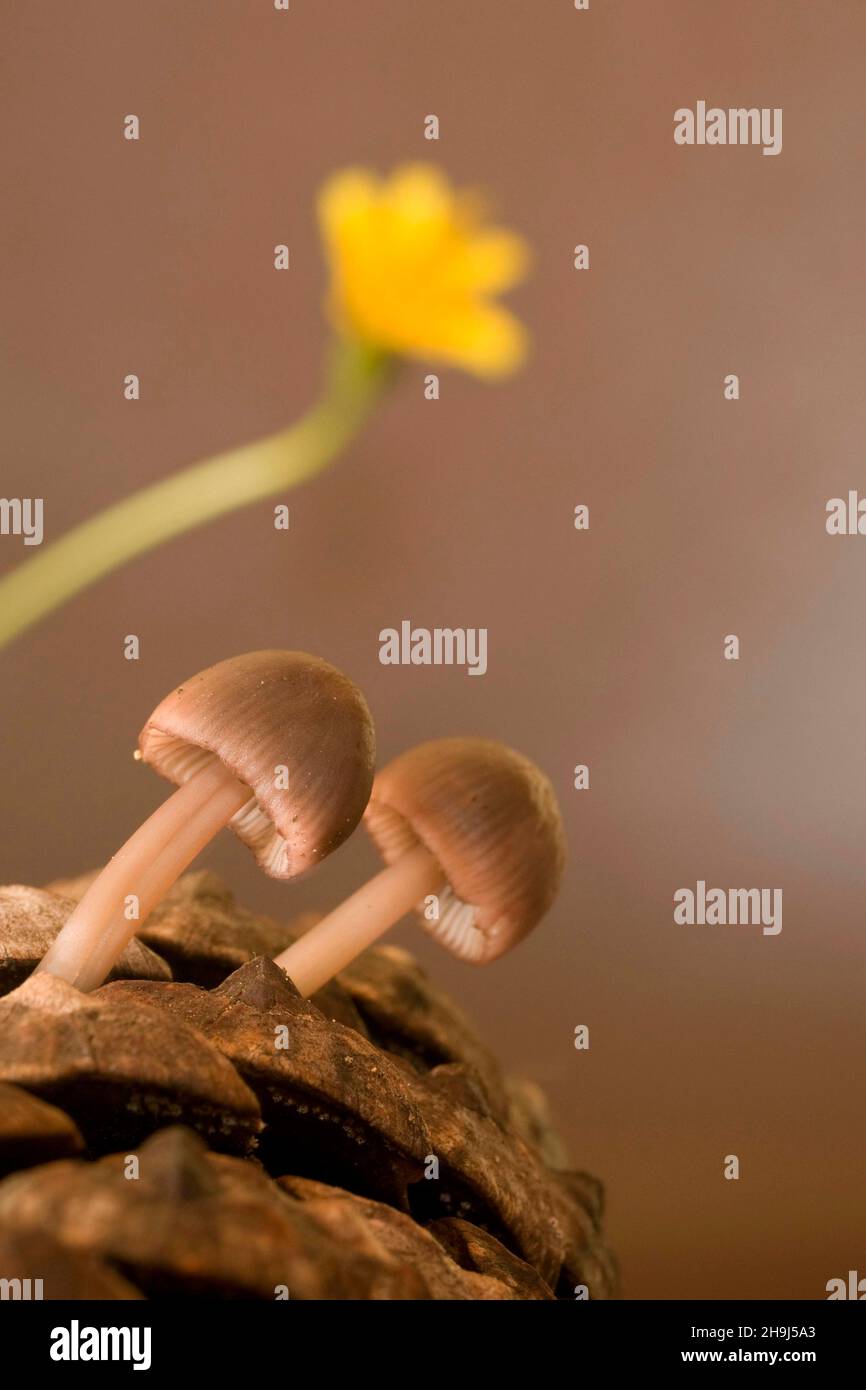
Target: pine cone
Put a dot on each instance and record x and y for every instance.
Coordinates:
(360, 1144)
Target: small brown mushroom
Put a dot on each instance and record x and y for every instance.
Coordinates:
(466, 820)
(277, 745)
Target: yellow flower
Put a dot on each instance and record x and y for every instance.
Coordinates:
(414, 269)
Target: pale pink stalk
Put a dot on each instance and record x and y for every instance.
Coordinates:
(149, 863)
(337, 939)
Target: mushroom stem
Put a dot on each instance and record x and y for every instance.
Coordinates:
(105, 919)
(337, 939)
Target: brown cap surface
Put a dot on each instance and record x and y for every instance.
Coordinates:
(260, 712)
(491, 818)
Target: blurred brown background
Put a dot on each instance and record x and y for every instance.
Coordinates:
(707, 517)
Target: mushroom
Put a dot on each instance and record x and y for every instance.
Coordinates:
(277, 745)
(466, 820)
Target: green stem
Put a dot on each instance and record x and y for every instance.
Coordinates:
(196, 495)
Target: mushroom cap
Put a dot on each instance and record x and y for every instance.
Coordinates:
(263, 711)
(491, 818)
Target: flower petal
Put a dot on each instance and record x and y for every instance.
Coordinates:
(483, 338)
(412, 268)
(490, 263)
